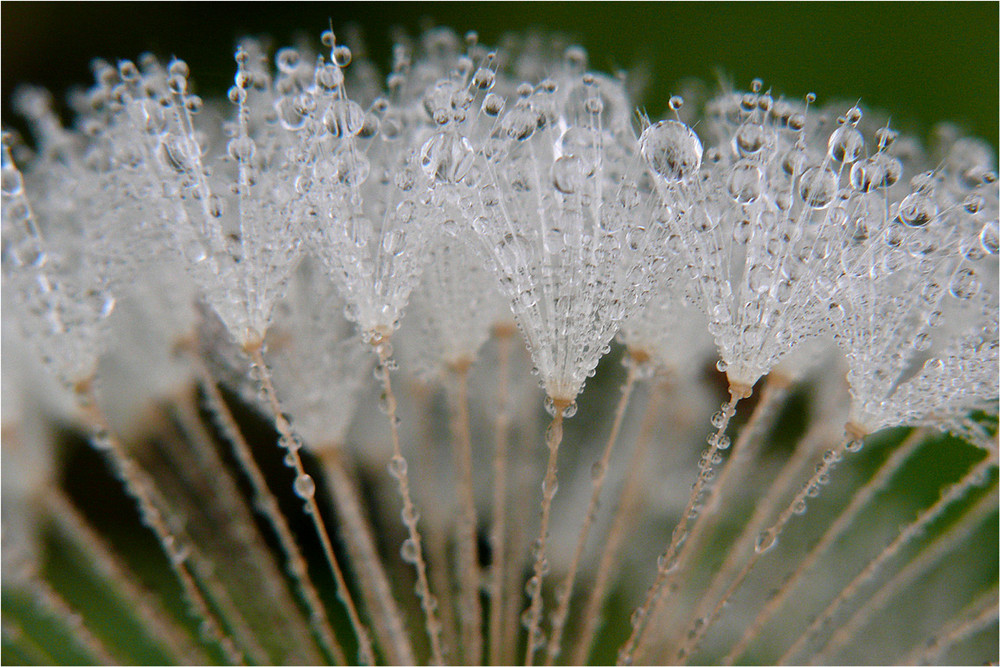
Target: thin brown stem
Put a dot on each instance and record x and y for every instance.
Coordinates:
(911, 532)
(498, 535)
(267, 505)
(764, 510)
(53, 603)
(305, 488)
(978, 615)
(668, 560)
(765, 542)
(360, 541)
(23, 643)
(141, 489)
(553, 438)
(599, 474)
(941, 547)
(624, 516)
(744, 449)
(858, 501)
(412, 546)
(154, 617)
(471, 616)
(239, 523)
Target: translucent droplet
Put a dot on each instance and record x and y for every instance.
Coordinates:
(855, 445)
(305, 487)
(989, 237)
(484, 78)
(287, 59)
(344, 118)
(519, 123)
(817, 187)
(846, 144)
(397, 467)
(744, 183)
(671, 149)
(241, 149)
(569, 174)
(446, 157)
(493, 104)
(965, 284)
(11, 183)
(867, 175)
(765, 541)
(917, 210)
(408, 551)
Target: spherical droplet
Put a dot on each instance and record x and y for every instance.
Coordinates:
(305, 487)
(964, 285)
(569, 174)
(493, 104)
(817, 186)
(344, 118)
(744, 183)
(846, 144)
(446, 157)
(917, 210)
(990, 237)
(671, 149)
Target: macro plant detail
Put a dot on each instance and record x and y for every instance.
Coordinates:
(384, 270)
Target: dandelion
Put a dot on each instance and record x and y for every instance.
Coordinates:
(186, 267)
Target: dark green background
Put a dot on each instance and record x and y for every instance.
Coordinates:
(924, 62)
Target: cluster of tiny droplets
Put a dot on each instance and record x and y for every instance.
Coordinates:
(520, 173)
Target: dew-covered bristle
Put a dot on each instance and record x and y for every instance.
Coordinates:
(461, 203)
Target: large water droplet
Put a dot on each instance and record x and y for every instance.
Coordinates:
(817, 187)
(446, 157)
(671, 149)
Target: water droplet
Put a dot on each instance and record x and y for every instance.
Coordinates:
(846, 144)
(11, 183)
(344, 118)
(917, 210)
(520, 122)
(446, 157)
(671, 149)
(241, 149)
(305, 487)
(744, 182)
(965, 284)
(408, 551)
(675, 102)
(484, 78)
(855, 445)
(569, 174)
(817, 187)
(990, 237)
(397, 467)
(765, 541)
(493, 104)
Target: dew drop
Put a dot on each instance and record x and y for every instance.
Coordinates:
(397, 467)
(989, 237)
(744, 183)
(344, 118)
(917, 210)
(305, 487)
(408, 551)
(817, 187)
(671, 149)
(845, 144)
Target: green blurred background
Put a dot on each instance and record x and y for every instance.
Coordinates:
(924, 62)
